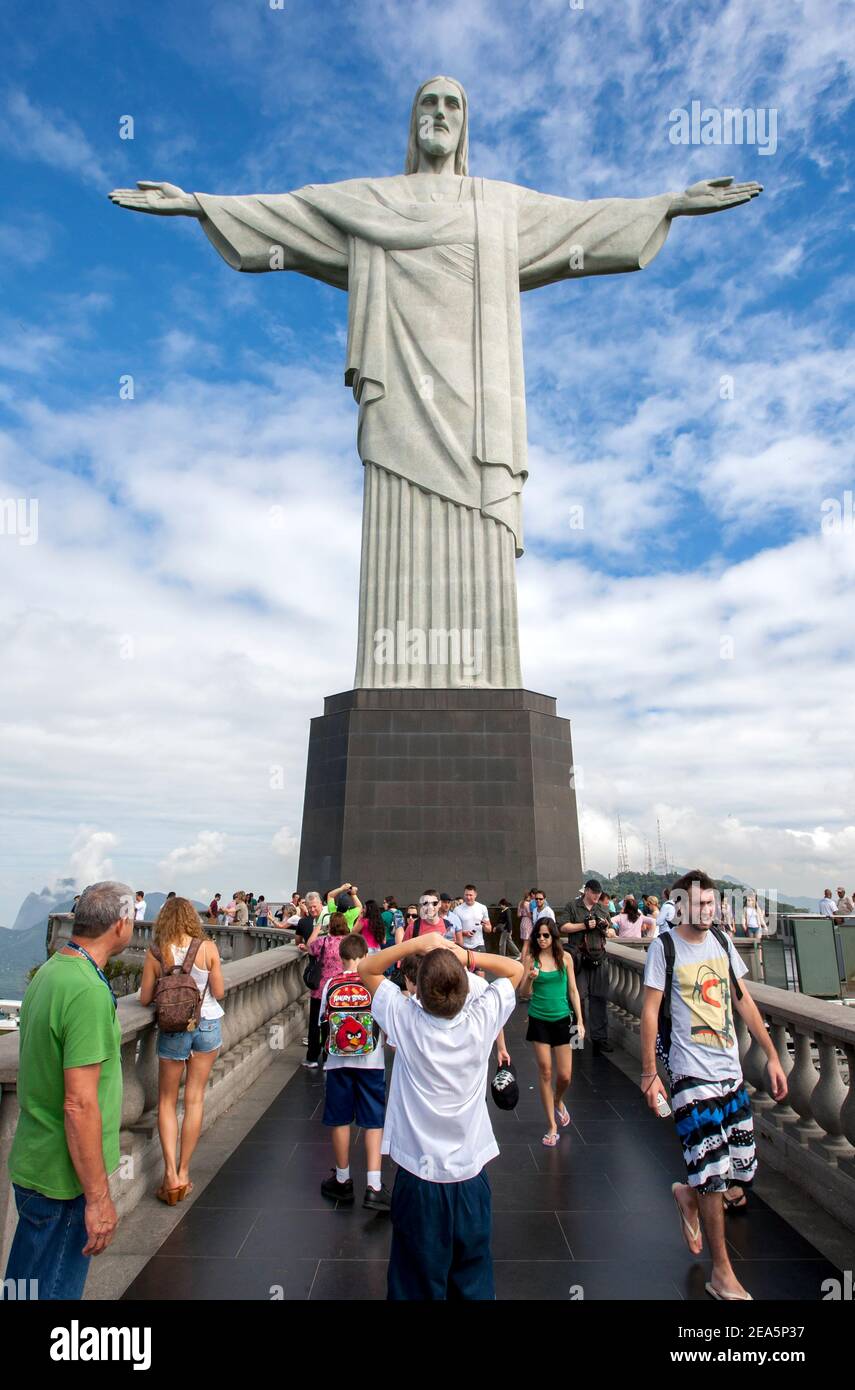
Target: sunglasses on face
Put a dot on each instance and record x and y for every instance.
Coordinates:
(430, 902)
(544, 936)
(412, 914)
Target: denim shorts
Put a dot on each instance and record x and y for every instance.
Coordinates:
(176, 1047)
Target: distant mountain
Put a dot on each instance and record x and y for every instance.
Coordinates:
(37, 906)
(19, 952)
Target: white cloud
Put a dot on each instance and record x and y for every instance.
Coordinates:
(89, 860)
(286, 843)
(30, 132)
(206, 850)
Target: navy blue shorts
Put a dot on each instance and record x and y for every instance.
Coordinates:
(355, 1093)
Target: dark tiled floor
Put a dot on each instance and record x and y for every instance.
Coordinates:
(591, 1218)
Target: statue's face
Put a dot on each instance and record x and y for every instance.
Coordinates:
(440, 118)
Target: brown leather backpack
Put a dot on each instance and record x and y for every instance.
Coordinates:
(177, 1001)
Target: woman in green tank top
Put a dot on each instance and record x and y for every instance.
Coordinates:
(554, 1020)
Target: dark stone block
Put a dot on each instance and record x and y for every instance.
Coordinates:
(412, 787)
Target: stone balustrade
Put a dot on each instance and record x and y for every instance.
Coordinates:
(810, 1136)
(234, 943)
(266, 1005)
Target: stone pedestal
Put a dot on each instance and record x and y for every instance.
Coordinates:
(414, 789)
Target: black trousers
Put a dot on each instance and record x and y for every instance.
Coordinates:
(314, 1050)
(593, 994)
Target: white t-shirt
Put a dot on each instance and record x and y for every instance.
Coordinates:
(139, 911)
(452, 923)
(538, 912)
(368, 1061)
(470, 919)
(667, 913)
(703, 1034)
(437, 1123)
(827, 907)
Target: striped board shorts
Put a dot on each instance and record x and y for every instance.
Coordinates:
(715, 1127)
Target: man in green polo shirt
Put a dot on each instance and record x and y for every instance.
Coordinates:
(70, 1095)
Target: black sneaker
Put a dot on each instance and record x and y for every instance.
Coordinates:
(600, 1047)
(375, 1200)
(335, 1190)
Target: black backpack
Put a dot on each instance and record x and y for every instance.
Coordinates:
(592, 947)
(663, 1032)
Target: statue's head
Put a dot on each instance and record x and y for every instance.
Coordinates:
(439, 124)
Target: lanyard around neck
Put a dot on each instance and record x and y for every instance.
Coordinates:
(73, 946)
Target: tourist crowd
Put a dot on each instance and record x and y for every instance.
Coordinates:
(433, 983)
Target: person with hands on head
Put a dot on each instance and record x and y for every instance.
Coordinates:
(345, 899)
(438, 1127)
(701, 969)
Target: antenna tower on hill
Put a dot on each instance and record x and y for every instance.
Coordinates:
(622, 856)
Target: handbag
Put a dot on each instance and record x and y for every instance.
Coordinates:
(314, 970)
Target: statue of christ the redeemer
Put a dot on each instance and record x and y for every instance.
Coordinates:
(433, 261)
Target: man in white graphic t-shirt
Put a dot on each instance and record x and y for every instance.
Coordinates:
(474, 921)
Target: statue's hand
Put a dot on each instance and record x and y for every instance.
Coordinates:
(713, 195)
(166, 199)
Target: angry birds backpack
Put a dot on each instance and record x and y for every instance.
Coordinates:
(348, 1022)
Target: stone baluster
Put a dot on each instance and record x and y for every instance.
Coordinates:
(754, 1071)
(634, 998)
(133, 1094)
(228, 1024)
(826, 1102)
(147, 1068)
(626, 984)
(784, 1112)
(847, 1110)
(804, 1079)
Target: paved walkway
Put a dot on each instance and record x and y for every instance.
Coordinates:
(595, 1214)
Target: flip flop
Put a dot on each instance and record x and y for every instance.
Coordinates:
(689, 1232)
(564, 1119)
(550, 1140)
(728, 1297)
(736, 1203)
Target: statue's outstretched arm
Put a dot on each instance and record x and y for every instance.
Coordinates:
(165, 199)
(712, 195)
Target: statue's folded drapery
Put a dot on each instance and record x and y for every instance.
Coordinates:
(433, 268)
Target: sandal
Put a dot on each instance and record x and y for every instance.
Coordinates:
(185, 1191)
(550, 1140)
(728, 1297)
(736, 1203)
(689, 1232)
(170, 1195)
(562, 1119)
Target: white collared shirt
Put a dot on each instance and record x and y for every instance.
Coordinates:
(437, 1123)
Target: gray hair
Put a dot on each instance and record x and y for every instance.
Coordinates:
(101, 906)
(461, 154)
(312, 897)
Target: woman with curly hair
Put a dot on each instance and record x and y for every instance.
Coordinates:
(177, 931)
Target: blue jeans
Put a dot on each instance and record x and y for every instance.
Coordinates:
(48, 1246)
(440, 1240)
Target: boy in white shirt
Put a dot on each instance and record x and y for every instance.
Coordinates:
(437, 1128)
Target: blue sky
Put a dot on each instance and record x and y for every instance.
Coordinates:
(164, 649)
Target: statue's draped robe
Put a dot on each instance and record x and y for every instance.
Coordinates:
(433, 267)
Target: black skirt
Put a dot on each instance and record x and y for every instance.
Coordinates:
(553, 1032)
